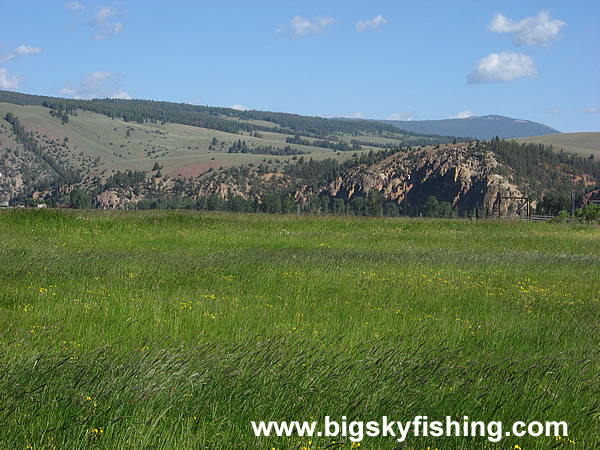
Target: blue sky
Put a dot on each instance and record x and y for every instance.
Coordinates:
(380, 59)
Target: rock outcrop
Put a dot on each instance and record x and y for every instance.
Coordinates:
(591, 197)
(458, 174)
(451, 173)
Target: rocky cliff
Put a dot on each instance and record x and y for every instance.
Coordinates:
(458, 174)
(451, 173)
(454, 173)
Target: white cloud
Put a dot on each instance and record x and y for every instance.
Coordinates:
(401, 116)
(373, 24)
(7, 58)
(102, 21)
(303, 27)
(74, 6)
(239, 107)
(21, 50)
(96, 85)
(8, 82)
(102, 16)
(538, 30)
(110, 29)
(503, 67)
(356, 115)
(121, 94)
(592, 110)
(462, 115)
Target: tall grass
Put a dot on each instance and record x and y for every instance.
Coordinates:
(175, 330)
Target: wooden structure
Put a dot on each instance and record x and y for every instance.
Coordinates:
(522, 208)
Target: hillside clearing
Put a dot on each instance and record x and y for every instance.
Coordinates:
(583, 144)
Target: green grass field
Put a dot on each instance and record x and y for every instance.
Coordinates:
(582, 144)
(175, 330)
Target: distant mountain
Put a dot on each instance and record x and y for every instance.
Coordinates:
(479, 127)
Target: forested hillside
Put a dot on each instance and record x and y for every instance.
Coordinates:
(146, 154)
(47, 142)
(216, 118)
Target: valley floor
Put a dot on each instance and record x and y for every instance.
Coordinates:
(176, 330)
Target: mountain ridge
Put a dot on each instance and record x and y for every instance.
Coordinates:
(478, 127)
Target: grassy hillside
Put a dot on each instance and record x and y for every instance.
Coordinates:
(217, 118)
(93, 139)
(48, 146)
(101, 144)
(583, 144)
(181, 149)
(176, 330)
(19, 166)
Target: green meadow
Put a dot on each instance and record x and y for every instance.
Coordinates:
(180, 149)
(176, 330)
(582, 144)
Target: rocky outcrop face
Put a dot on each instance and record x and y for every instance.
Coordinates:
(454, 173)
(591, 197)
(451, 173)
(457, 174)
(116, 199)
(108, 200)
(220, 189)
(11, 184)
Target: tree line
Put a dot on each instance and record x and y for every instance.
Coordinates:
(241, 147)
(30, 144)
(339, 146)
(541, 169)
(217, 118)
